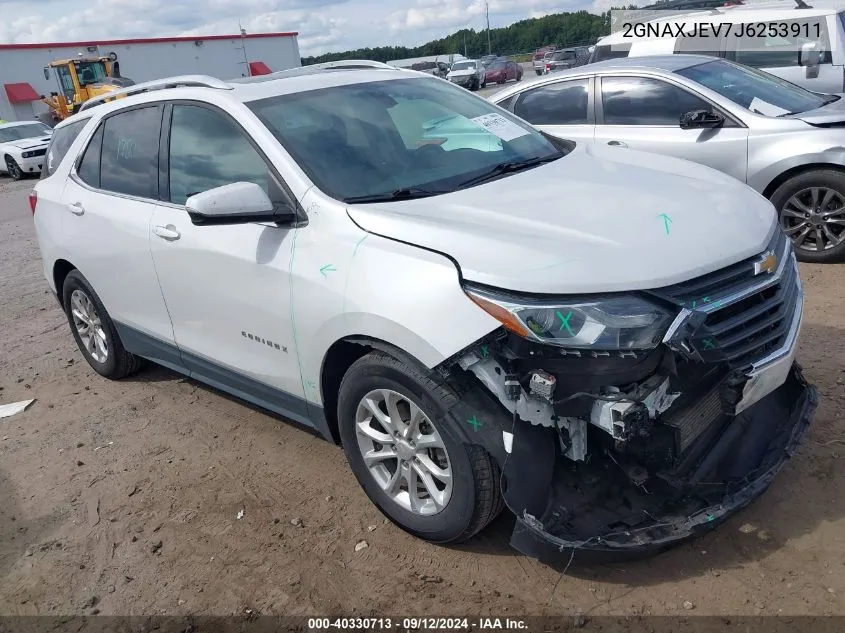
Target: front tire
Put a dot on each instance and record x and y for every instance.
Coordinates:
(811, 211)
(15, 172)
(94, 330)
(408, 455)
(539, 72)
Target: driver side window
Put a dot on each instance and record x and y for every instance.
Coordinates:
(646, 101)
(209, 150)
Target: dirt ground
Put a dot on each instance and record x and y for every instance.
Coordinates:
(124, 497)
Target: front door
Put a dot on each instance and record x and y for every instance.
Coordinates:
(227, 287)
(643, 113)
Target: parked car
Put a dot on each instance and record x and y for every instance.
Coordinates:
(438, 69)
(779, 138)
(501, 70)
(543, 325)
(23, 145)
(539, 59)
(800, 44)
(565, 58)
(468, 73)
(486, 60)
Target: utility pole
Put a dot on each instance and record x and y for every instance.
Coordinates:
(487, 12)
(243, 48)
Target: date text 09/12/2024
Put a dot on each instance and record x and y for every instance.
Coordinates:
(417, 624)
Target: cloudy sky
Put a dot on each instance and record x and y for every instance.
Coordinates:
(323, 25)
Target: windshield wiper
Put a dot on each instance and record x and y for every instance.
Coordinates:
(509, 167)
(405, 193)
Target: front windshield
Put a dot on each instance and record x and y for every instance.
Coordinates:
(463, 66)
(90, 72)
(18, 132)
(371, 139)
(755, 90)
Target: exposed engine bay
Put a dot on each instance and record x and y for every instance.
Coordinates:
(629, 450)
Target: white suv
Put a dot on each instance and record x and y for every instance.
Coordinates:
(600, 339)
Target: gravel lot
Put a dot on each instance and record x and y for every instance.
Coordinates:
(123, 497)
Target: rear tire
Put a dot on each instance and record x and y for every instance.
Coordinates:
(94, 330)
(453, 514)
(811, 210)
(539, 72)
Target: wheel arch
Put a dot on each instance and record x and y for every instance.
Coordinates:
(339, 358)
(781, 178)
(61, 269)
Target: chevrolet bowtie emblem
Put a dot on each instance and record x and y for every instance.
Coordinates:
(767, 263)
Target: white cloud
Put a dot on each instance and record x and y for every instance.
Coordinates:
(323, 25)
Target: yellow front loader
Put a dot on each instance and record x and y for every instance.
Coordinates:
(81, 79)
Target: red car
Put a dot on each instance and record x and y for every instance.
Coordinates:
(502, 70)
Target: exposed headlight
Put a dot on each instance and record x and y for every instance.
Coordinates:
(28, 154)
(610, 323)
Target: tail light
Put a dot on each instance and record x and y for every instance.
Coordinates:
(33, 200)
(548, 66)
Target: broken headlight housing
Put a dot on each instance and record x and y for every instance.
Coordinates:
(621, 322)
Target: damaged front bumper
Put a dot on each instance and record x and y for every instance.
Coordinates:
(760, 439)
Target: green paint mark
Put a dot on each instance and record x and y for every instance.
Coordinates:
(717, 304)
(355, 250)
(564, 322)
(328, 268)
(709, 344)
(666, 222)
(485, 351)
(710, 517)
(705, 300)
(475, 423)
(693, 304)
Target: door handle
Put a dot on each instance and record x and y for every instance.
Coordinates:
(168, 232)
(76, 208)
(617, 144)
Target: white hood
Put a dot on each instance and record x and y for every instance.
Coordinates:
(589, 222)
(36, 142)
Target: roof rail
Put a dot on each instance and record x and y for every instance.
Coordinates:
(312, 69)
(194, 81)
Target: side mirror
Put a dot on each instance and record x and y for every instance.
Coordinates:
(47, 73)
(237, 203)
(701, 119)
(810, 58)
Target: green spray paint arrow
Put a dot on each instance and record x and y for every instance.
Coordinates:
(666, 221)
(328, 268)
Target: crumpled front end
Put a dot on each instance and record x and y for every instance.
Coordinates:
(633, 450)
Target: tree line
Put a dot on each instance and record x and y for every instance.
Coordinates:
(563, 29)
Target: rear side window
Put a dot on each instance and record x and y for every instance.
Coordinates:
(129, 162)
(89, 167)
(60, 143)
(561, 103)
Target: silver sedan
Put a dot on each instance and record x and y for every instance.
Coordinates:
(782, 140)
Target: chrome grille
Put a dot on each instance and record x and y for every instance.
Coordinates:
(746, 316)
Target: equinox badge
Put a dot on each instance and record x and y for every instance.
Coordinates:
(767, 263)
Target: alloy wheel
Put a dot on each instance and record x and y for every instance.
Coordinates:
(14, 169)
(403, 452)
(88, 325)
(814, 218)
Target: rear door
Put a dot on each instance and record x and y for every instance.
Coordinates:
(109, 199)
(562, 108)
(644, 112)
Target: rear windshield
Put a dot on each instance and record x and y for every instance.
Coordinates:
(463, 65)
(606, 51)
(60, 143)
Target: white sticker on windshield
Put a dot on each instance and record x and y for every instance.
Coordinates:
(500, 126)
(765, 108)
